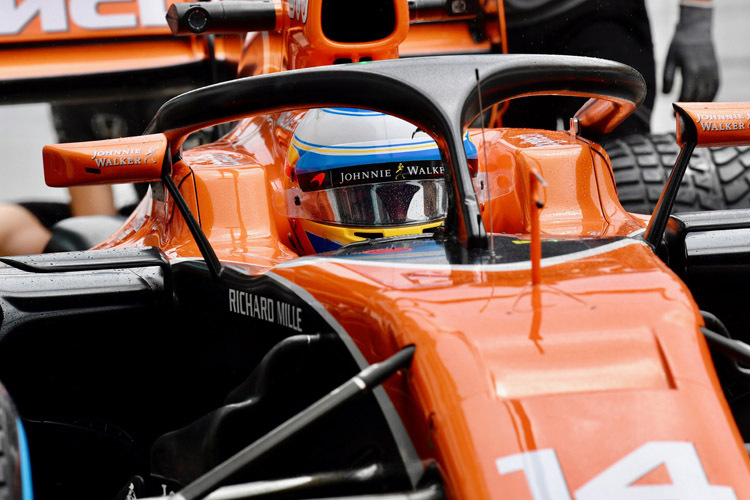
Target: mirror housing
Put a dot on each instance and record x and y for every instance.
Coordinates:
(111, 161)
(713, 123)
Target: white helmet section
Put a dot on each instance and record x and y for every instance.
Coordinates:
(331, 138)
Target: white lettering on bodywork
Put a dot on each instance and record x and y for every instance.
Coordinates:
(266, 309)
(15, 18)
(53, 15)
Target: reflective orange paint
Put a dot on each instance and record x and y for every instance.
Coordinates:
(441, 38)
(122, 36)
(111, 161)
(597, 112)
(234, 202)
(263, 53)
(20, 62)
(713, 123)
(500, 370)
(581, 198)
(600, 358)
(308, 46)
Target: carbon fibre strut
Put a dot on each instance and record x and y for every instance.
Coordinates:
(688, 137)
(363, 382)
(488, 230)
(735, 349)
(302, 487)
(212, 261)
(658, 223)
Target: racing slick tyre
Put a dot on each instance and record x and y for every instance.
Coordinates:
(15, 471)
(717, 178)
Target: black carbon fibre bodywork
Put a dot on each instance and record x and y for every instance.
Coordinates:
(106, 351)
(710, 251)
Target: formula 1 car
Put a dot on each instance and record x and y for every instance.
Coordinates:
(362, 291)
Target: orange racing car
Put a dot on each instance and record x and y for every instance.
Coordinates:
(365, 291)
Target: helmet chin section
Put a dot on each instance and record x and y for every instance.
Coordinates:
(317, 238)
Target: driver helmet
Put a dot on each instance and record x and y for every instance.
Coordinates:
(355, 174)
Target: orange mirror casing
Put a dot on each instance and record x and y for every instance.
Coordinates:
(713, 123)
(111, 161)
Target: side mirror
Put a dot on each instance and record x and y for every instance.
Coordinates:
(699, 124)
(111, 161)
(713, 123)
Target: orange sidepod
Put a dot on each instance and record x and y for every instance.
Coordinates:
(111, 161)
(580, 197)
(234, 204)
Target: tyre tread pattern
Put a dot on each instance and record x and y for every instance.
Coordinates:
(10, 474)
(716, 178)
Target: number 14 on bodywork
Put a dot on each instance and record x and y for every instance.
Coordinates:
(689, 482)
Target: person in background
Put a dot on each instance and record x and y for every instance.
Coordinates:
(25, 228)
(611, 29)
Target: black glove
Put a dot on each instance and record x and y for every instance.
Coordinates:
(692, 50)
